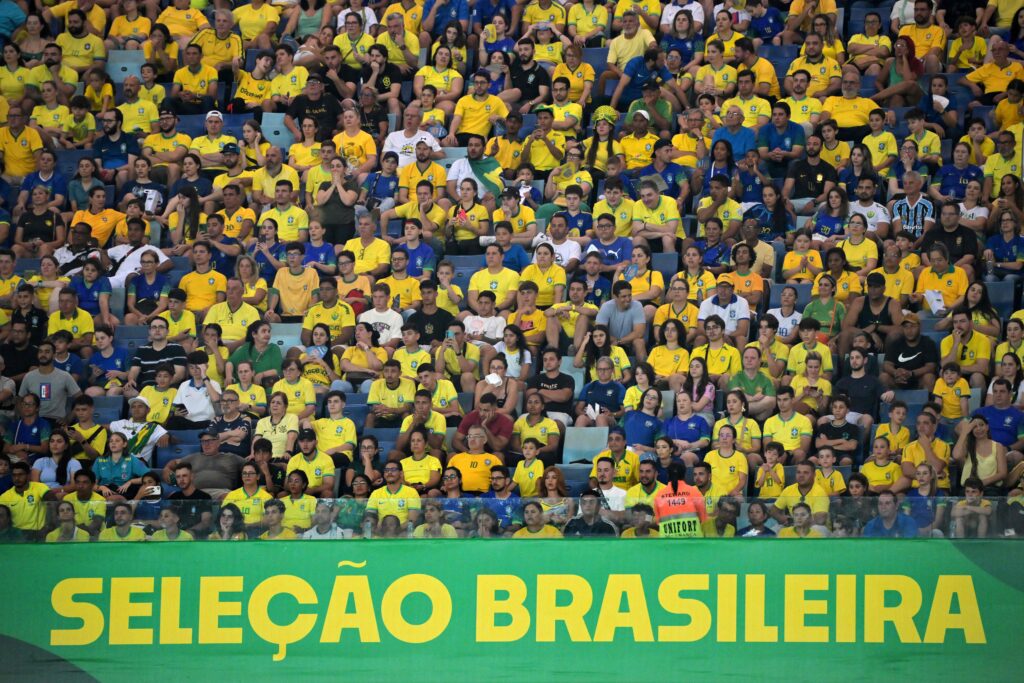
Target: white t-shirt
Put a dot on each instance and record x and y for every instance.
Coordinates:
(564, 252)
(405, 147)
(903, 11)
(515, 366)
(130, 428)
(196, 401)
(668, 15)
(732, 314)
(492, 327)
(388, 324)
(874, 214)
(369, 18)
(615, 497)
(461, 170)
(978, 211)
(787, 324)
(331, 534)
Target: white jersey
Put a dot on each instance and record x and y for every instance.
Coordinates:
(978, 211)
(129, 260)
(738, 309)
(564, 252)
(874, 214)
(787, 323)
(668, 15)
(492, 327)
(332, 534)
(130, 428)
(614, 497)
(196, 400)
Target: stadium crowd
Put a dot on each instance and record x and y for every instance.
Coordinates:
(335, 269)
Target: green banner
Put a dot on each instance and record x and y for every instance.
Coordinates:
(512, 611)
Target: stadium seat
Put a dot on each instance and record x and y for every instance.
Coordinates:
(596, 57)
(383, 433)
(107, 409)
(465, 262)
(124, 63)
(529, 124)
(133, 332)
(287, 330)
(583, 443)
(275, 132)
(803, 295)
(165, 454)
(186, 435)
(192, 125)
(117, 299)
(666, 264)
(779, 53)
(466, 399)
(577, 478)
(67, 160)
(1001, 296)
(286, 342)
(357, 413)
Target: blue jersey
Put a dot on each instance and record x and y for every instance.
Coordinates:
(712, 171)
(771, 138)
(89, 296)
(752, 187)
(30, 434)
(618, 251)
(768, 26)
(903, 526)
(72, 365)
(420, 259)
(686, 46)
(765, 219)
(742, 141)
(598, 291)
(114, 154)
(1006, 251)
(56, 183)
(322, 254)
(144, 290)
(221, 262)
(828, 225)
(506, 509)
(267, 270)
(922, 508)
(1005, 425)
(381, 186)
(516, 258)
(484, 11)
(673, 174)
(641, 428)
(639, 73)
(914, 217)
(952, 181)
(117, 361)
(581, 222)
(693, 428)
(451, 10)
(714, 256)
(608, 395)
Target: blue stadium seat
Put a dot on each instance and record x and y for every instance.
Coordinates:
(117, 299)
(803, 291)
(186, 435)
(67, 160)
(1001, 296)
(666, 264)
(275, 132)
(779, 53)
(107, 409)
(596, 57)
(357, 413)
(181, 263)
(577, 478)
(383, 433)
(24, 265)
(583, 443)
(136, 332)
(461, 278)
(165, 454)
(124, 63)
(529, 124)
(192, 125)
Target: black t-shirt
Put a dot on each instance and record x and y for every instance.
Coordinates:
(959, 8)
(529, 80)
(915, 357)
(18, 361)
(44, 227)
(370, 121)
(431, 327)
(809, 181)
(191, 507)
(385, 80)
(221, 425)
(334, 211)
(961, 242)
(325, 111)
(845, 431)
(149, 359)
(545, 383)
(863, 392)
(579, 527)
(36, 320)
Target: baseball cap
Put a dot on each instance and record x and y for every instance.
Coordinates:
(650, 84)
(214, 115)
(509, 193)
(139, 399)
(167, 110)
(911, 318)
(208, 432)
(314, 77)
(543, 107)
(725, 279)
(643, 113)
(876, 280)
(307, 435)
(231, 148)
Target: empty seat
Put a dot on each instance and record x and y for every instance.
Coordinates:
(124, 63)
(583, 443)
(577, 478)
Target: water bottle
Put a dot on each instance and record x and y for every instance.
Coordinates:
(990, 266)
(367, 529)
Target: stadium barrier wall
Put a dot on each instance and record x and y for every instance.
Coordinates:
(435, 610)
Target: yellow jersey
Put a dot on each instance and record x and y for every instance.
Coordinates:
(383, 502)
(251, 507)
(201, 289)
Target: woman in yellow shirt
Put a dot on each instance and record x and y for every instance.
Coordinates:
(861, 252)
(13, 75)
(643, 378)
(549, 277)
(161, 50)
(186, 222)
(320, 365)
(597, 344)
(252, 397)
(305, 153)
(363, 361)
(670, 360)
(455, 40)
(253, 146)
(298, 389)
(549, 46)
(280, 427)
(602, 145)
(832, 46)
(715, 78)
(216, 352)
(128, 31)
(468, 219)
(648, 285)
(47, 282)
(442, 76)
(579, 74)
(248, 272)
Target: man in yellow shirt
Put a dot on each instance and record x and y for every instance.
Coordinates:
(203, 286)
(292, 222)
(929, 38)
(801, 15)
(393, 499)
(475, 113)
(806, 491)
(849, 110)
(257, 26)
(638, 146)
(1006, 161)
(968, 348)
(19, 147)
(294, 287)
(233, 315)
(544, 148)
(656, 216)
(140, 116)
(195, 84)
(989, 81)
(318, 466)
(756, 110)
(222, 48)
(166, 148)
(83, 48)
(789, 427)
(24, 500)
(823, 70)
(210, 147)
(331, 311)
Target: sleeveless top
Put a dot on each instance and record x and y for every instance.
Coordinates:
(869, 317)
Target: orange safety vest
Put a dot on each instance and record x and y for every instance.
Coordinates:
(680, 513)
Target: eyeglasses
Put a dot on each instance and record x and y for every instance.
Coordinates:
(248, 474)
(392, 469)
(448, 477)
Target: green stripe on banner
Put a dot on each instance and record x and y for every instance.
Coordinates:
(512, 611)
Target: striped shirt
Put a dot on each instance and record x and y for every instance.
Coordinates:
(914, 217)
(149, 359)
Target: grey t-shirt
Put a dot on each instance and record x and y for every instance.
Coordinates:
(53, 389)
(220, 471)
(620, 323)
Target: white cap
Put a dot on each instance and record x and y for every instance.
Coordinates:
(214, 115)
(641, 112)
(138, 399)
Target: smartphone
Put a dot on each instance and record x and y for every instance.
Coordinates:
(449, 335)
